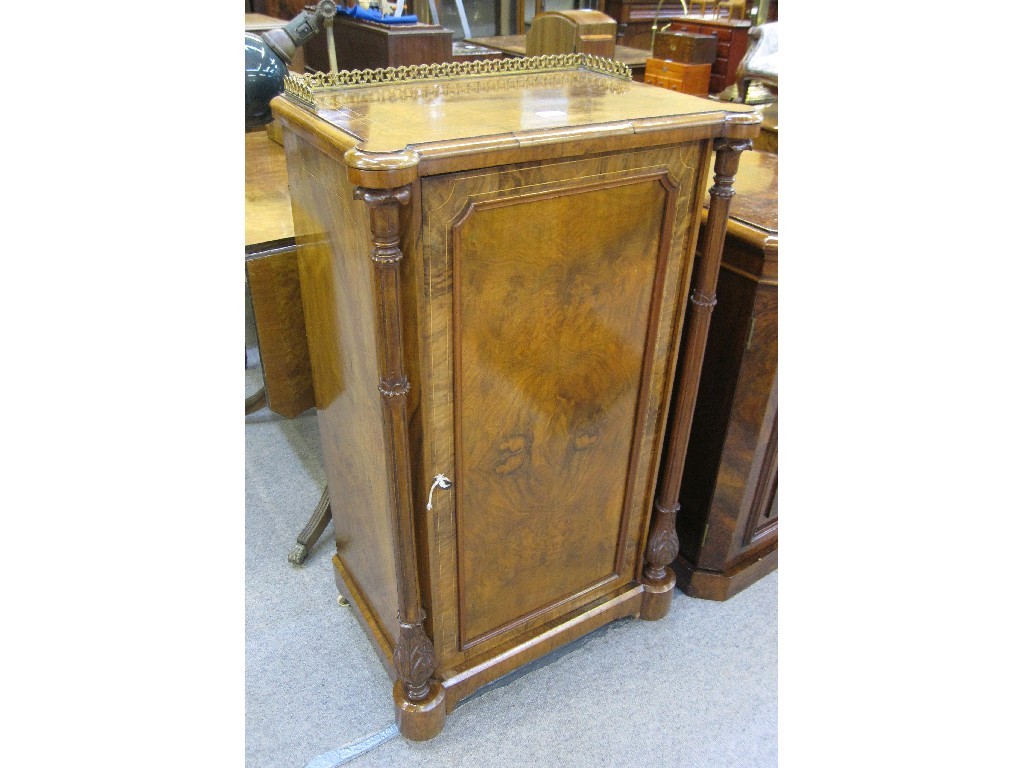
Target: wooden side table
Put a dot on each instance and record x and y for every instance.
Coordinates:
(494, 267)
(272, 275)
(728, 522)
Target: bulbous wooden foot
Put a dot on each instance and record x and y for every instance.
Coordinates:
(423, 719)
(657, 597)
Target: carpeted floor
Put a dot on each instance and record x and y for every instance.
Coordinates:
(696, 689)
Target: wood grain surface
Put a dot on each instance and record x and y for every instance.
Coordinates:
(332, 231)
(272, 272)
(268, 204)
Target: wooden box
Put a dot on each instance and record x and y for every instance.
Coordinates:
(494, 264)
(679, 77)
(582, 31)
(728, 522)
(363, 44)
(685, 47)
(732, 37)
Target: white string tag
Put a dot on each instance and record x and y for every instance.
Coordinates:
(439, 481)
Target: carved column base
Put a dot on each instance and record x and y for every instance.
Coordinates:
(657, 597)
(662, 548)
(423, 719)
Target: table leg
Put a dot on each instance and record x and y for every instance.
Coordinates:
(314, 529)
(256, 401)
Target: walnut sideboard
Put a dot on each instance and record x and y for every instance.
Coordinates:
(494, 260)
(728, 523)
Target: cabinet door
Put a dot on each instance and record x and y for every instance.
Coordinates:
(550, 326)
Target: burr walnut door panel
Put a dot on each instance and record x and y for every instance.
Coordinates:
(549, 339)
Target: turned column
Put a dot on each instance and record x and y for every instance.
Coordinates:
(663, 542)
(419, 700)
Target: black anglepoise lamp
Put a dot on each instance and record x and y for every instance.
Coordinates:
(268, 55)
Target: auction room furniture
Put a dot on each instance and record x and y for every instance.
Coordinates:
(272, 275)
(761, 61)
(733, 9)
(494, 262)
(728, 523)
(361, 44)
(572, 32)
(635, 19)
(514, 46)
(732, 45)
(679, 77)
(538, 7)
(685, 47)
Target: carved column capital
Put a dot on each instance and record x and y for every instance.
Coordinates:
(727, 160)
(734, 145)
(383, 204)
(378, 197)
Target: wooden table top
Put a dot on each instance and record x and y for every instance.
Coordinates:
(507, 108)
(515, 45)
(268, 204)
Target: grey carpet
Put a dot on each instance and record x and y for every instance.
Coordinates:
(697, 688)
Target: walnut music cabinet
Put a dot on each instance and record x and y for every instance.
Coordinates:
(494, 259)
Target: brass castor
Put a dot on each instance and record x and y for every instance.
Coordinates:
(298, 554)
(342, 601)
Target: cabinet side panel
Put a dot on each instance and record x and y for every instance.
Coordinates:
(723, 358)
(748, 438)
(332, 233)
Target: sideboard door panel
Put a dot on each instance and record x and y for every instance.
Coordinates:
(549, 292)
(548, 380)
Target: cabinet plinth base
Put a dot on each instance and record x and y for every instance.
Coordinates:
(420, 720)
(721, 585)
(658, 597)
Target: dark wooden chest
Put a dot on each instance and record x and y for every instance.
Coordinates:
(685, 47)
(369, 45)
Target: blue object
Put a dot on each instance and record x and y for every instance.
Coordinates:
(348, 753)
(361, 13)
(264, 79)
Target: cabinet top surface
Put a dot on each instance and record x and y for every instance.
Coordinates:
(565, 105)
